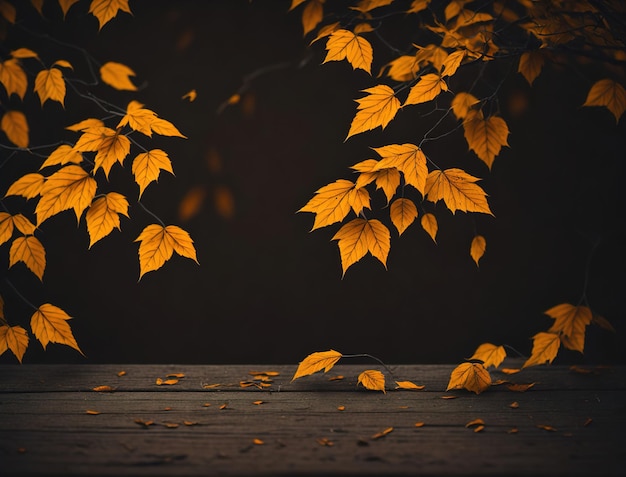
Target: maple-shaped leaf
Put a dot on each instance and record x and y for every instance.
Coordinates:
(104, 215)
(408, 159)
(158, 243)
(570, 321)
(530, 64)
(15, 126)
(28, 186)
(471, 376)
(458, 190)
(429, 224)
(85, 124)
(71, 187)
(360, 236)
(485, 136)
(50, 85)
(545, 348)
(28, 250)
(64, 154)
(110, 144)
(117, 75)
(14, 338)
(105, 10)
(477, 248)
(462, 103)
(403, 213)
(50, 325)
(13, 77)
(320, 360)
(330, 203)
(608, 93)
(376, 109)
(148, 165)
(427, 88)
(138, 118)
(344, 44)
(489, 354)
(372, 379)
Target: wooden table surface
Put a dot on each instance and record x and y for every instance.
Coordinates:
(222, 420)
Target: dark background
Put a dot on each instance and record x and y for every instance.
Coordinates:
(267, 290)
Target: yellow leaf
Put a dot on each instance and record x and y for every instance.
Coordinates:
(429, 224)
(68, 188)
(458, 190)
(372, 379)
(30, 251)
(64, 154)
(50, 325)
(427, 88)
(403, 68)
(330, 204)
(6, 228)
(320, 360)
(165, 128)
(452, 62)
(157, 244)
(360, 236)
(376, 109)
(23, 53)
(388, 180)
(359, 199)
(13, 77)
(489, 354)
(409, 385)
(311, 15)
(478, 247)
(117, 75)
(66, 5)
(545, 348)
(190, 95)
(408, 159)
(570, 321)
(138, 118)
(14, 338)
(28, 186)
(344, 44)
(147, 167)
(85, 124)
(485, 136)
(50, 85)
(610, 94)
(63, 64)
(23, 224)
(471, 376)
(104, 215)
(530, 64)
(105, 10)
(462, 104)
(325, 31)
(111, 147)
(15, 126)
(403, 213)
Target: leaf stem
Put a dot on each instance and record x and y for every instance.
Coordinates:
(19, 294)
(151, 213)
(365, 355)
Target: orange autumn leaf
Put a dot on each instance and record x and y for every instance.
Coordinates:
(105, 10)
(382, 433)
(28, 186)
(190, 95)
(489, 354)
(15, 126)
(117, 75)
(530, 64)
(147, 167)
(458, 190)
(320, 360)
(50, 85)
(429, 224)
(462, 103)
(409, 385)
(64, 154)
(426, 89)
(50, 325)
(519, 388)
(69, 188)
(452, 62)
(360, 236)
(610, 94)
(475, 422)
(570, 322)
(408, 159)
(378, 108)
(330, 203)
(15, 339)
(85, 124)
(485, 136)
(545, 348)
(104, 215)
(477, 248)
(28, 250)
(10, 222)
(158, 243)
(312, 15)
(103, 388)
(471, 376)
(403, 213)
(13, 77)
(372, 379)
(110, 146)
(23, 53)
(344, 44)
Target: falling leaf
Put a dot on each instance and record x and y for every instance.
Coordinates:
(13, 78)
(429, 224)
(409, 385)
(104, 215)
(458, 190)
(105, 10)
(190, 95)
(158, 243)
(64, 154)
(382, 433)
(477, 248)
(408, 159)
(489, 354)
(378, 108)
(50, 325)
(316, 362)
(117, 76)
(147, 167)
(485, 136)
(30, 251)
(570, 321)
(530, 64)
(462, 103)
(520, 388)
(102, 389)
(471, 376)
(427, 88)
(344, 44)
(50, 85)
(608, 93)
(545, 348)
(372, 379)
(14, 338)
(110, 144)
(92, 412)
(360, 236)
(15, 126)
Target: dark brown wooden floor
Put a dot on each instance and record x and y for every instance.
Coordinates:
(52, 422)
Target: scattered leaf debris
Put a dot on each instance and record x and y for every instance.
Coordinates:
(519, 388)
(514, 405)
(121, 373)
(383, 433)
(409, 385)
(103, 389)
(92, 412)
(324, 441)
